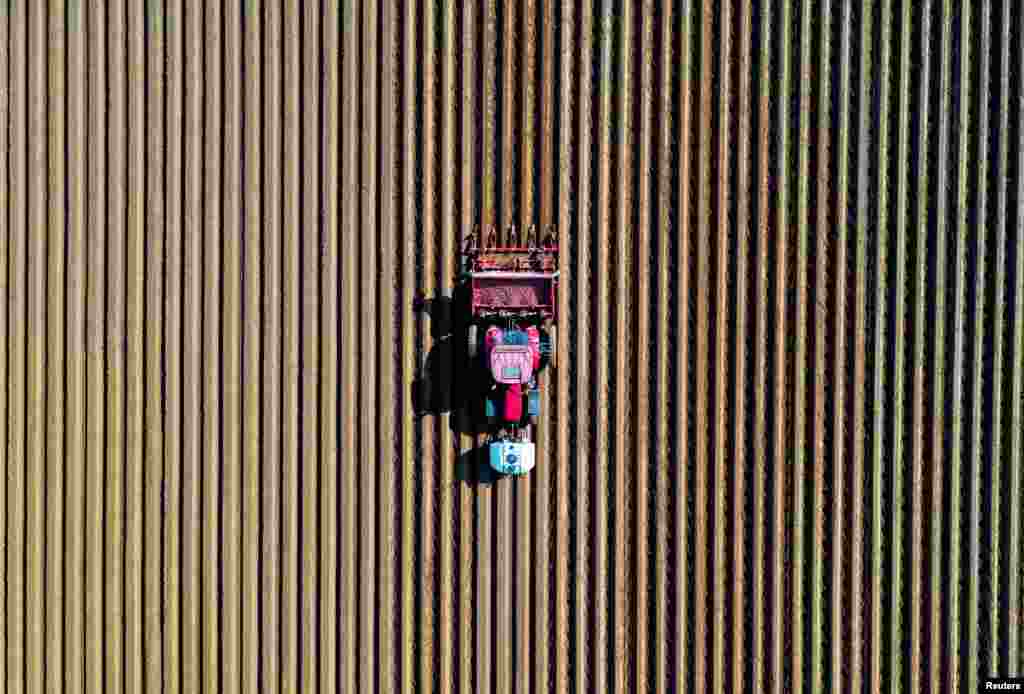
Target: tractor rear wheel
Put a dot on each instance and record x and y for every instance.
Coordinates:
(553, 345)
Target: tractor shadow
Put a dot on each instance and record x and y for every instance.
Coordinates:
(449, 381)
(472, 468)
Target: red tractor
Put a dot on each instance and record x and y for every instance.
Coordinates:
(512, 291)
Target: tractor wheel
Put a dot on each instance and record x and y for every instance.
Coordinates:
(553, 343)
(472, 342)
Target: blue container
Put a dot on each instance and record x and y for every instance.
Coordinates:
(512, 457)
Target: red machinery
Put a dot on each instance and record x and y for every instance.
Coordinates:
(513, 290)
